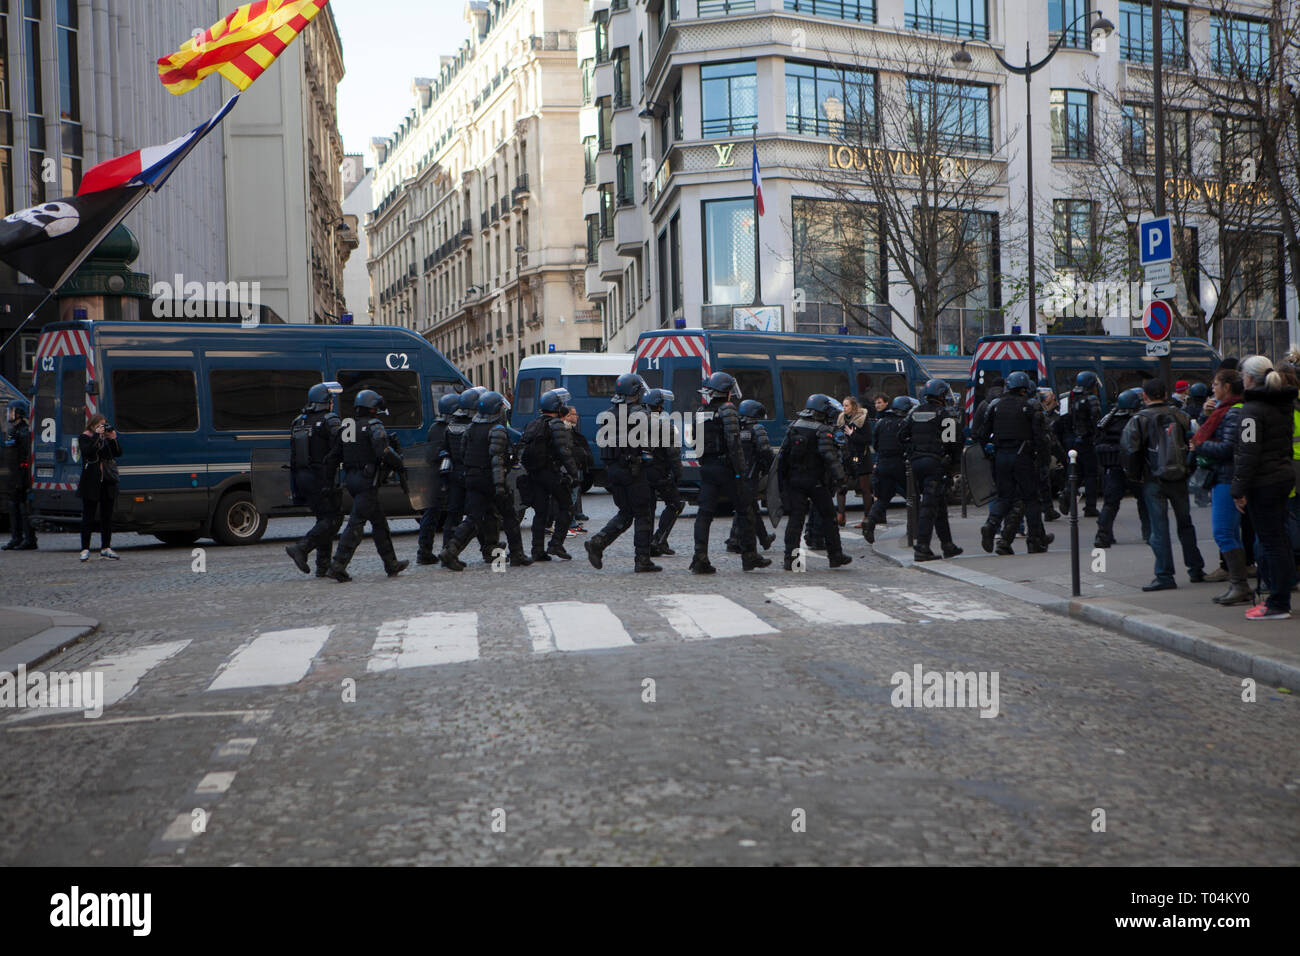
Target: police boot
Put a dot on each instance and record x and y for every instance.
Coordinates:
(1239, 591)
(988, 531)
(765, 538)
(558, 551)
(539, 554)
(869, 531)
(840, 559)
(426, 557)
(788, 562)
(520, 560)
(752, 559)
(644, 564)
(1049, 512)
(950, 549)
(1004, 545)
(700, 564)
(659, 547)
(732, 547)
(450, 556)
(1105, 522)
(298, 556)
(595, 546)
(12, 545)
(338, 573)
(323, 555)
(922, 552)
(395, 567)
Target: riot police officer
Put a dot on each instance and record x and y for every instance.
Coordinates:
(314, 442)
(454, 447)
(435, 454)
(932, 442)
(18, 460)
(486, 457)
(811, 471)
(1115, 479)
(623, 437)
(1015, 427)
(1081, 434)
(722, 465)
(547, 456)
(757, 449)
(891, 471)
(366, 458)
(663, 468)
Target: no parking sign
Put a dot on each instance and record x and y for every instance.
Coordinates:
(1158, 320)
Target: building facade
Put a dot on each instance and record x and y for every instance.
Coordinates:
(476, 239)
(679, 95)
(358, 183)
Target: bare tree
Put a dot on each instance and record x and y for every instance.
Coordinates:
(913, 168)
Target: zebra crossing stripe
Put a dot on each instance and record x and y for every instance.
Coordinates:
(122, 673)
(439, 638)
(824, 606)
(946, 609)
(276, 657)
(698, 617)
(573, 626)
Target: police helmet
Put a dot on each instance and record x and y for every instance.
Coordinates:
(720, 384)
(752, 409)
(1017, 380)
(656, 398)
(468, 400)
(821, 407)
(372, 401)
(1086, 380)
(1129, 399)
(320, 397)
(629, 389)
(1199, 390)
(936, 388)
(20, 408)
(1044, 382)
(448, 403)
(491, 406)
(556, 401)
(902, 405)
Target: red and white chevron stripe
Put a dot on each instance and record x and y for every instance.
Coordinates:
(70, 342)
(676, 345)
(52, 486)
(1018, 350)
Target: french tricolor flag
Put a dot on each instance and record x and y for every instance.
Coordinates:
(152, 165)
(758, 183)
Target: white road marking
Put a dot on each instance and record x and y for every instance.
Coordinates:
(237, 747)
(824, 606)
(276, 657)
(180, 829)
(698, 617)
(573, 626)
(250, 716)
(122, 674)
(441, 638)
(216, 782)
(946, 609)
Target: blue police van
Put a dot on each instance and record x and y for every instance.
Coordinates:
(1120, 361)
(195, 405)
(779, 369)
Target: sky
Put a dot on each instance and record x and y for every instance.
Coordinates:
(382, 54)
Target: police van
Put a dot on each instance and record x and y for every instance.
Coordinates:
(196, 404)
(589, 377)
(1120, 361)
(779, 369)
(953, 369)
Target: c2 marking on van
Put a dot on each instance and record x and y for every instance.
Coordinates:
(47, 363)
(393, 358)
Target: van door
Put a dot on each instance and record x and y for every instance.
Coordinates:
(58, 418)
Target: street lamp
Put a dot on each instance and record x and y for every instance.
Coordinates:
(520, 249)
(963, 58)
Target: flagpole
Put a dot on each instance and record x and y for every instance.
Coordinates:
(48, 296)
(758, 269)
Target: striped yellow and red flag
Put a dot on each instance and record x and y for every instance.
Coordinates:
(240, 47)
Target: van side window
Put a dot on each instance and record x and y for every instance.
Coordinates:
(1065, 377)
(654, 378)
(798, 383)
(258, 400)
(546, 385)
(155, 400)
(755, 383)
(686, 389)
(526, 396)
(1122, 379)
(601, 386)
(401, 392)
(47, 386)
(869, 384)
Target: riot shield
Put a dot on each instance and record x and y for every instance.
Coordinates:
(775, 507)
(272, 480)
(978, 472)
(420, 477)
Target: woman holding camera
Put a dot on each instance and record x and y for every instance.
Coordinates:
(98, 487)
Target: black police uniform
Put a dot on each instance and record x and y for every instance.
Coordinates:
(1016, 428)
(1115, 482)
(314, 453)
(18, 462)
(1081, 436)
(454, 449)
(552, 473)
(629, 485)
(435, 516)
(485, 452)
(722, 463)
(757, 449)
(811, 472)
(890, 472)
(932, 441)
(363, 462)
(663, 470)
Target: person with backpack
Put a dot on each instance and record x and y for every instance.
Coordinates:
(932, 443)
(890, 475)
(757, 449)
(435, 456)
(810, 471)
(1263, 479)
(1016, 431)
(1115, 478)
(1081, 435)
(663, 467)
(1215, 445)
(553, 472)
(1155, 440)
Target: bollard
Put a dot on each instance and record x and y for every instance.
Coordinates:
(911, 506)
(1074, 523)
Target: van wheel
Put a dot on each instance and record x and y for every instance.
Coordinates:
(177, 539)
(237, 521)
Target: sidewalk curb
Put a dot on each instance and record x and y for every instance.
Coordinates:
(1201, 642)
(65, 630)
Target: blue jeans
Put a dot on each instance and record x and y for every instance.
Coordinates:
(1268, 512)
(1158, 494)
(1225, 518)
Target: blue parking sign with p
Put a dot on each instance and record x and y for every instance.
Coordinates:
(1155, 241)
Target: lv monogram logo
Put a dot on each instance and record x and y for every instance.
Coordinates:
(724, 153)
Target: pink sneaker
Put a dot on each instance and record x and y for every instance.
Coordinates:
(1260, 612)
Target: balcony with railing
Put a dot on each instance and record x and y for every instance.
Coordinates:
(483, 219)
(863, 11)
(505, 205)
(729, 125)
(723, 8)
(466, 233)
(520, 192)
(922, 18)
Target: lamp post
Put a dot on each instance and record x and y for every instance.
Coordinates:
(963, 58)
(520, 249)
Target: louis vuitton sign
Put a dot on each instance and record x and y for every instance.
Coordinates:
(901, 163)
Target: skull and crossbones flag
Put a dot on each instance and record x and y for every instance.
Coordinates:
(48, 242)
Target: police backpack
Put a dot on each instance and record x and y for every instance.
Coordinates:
(535, 444)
